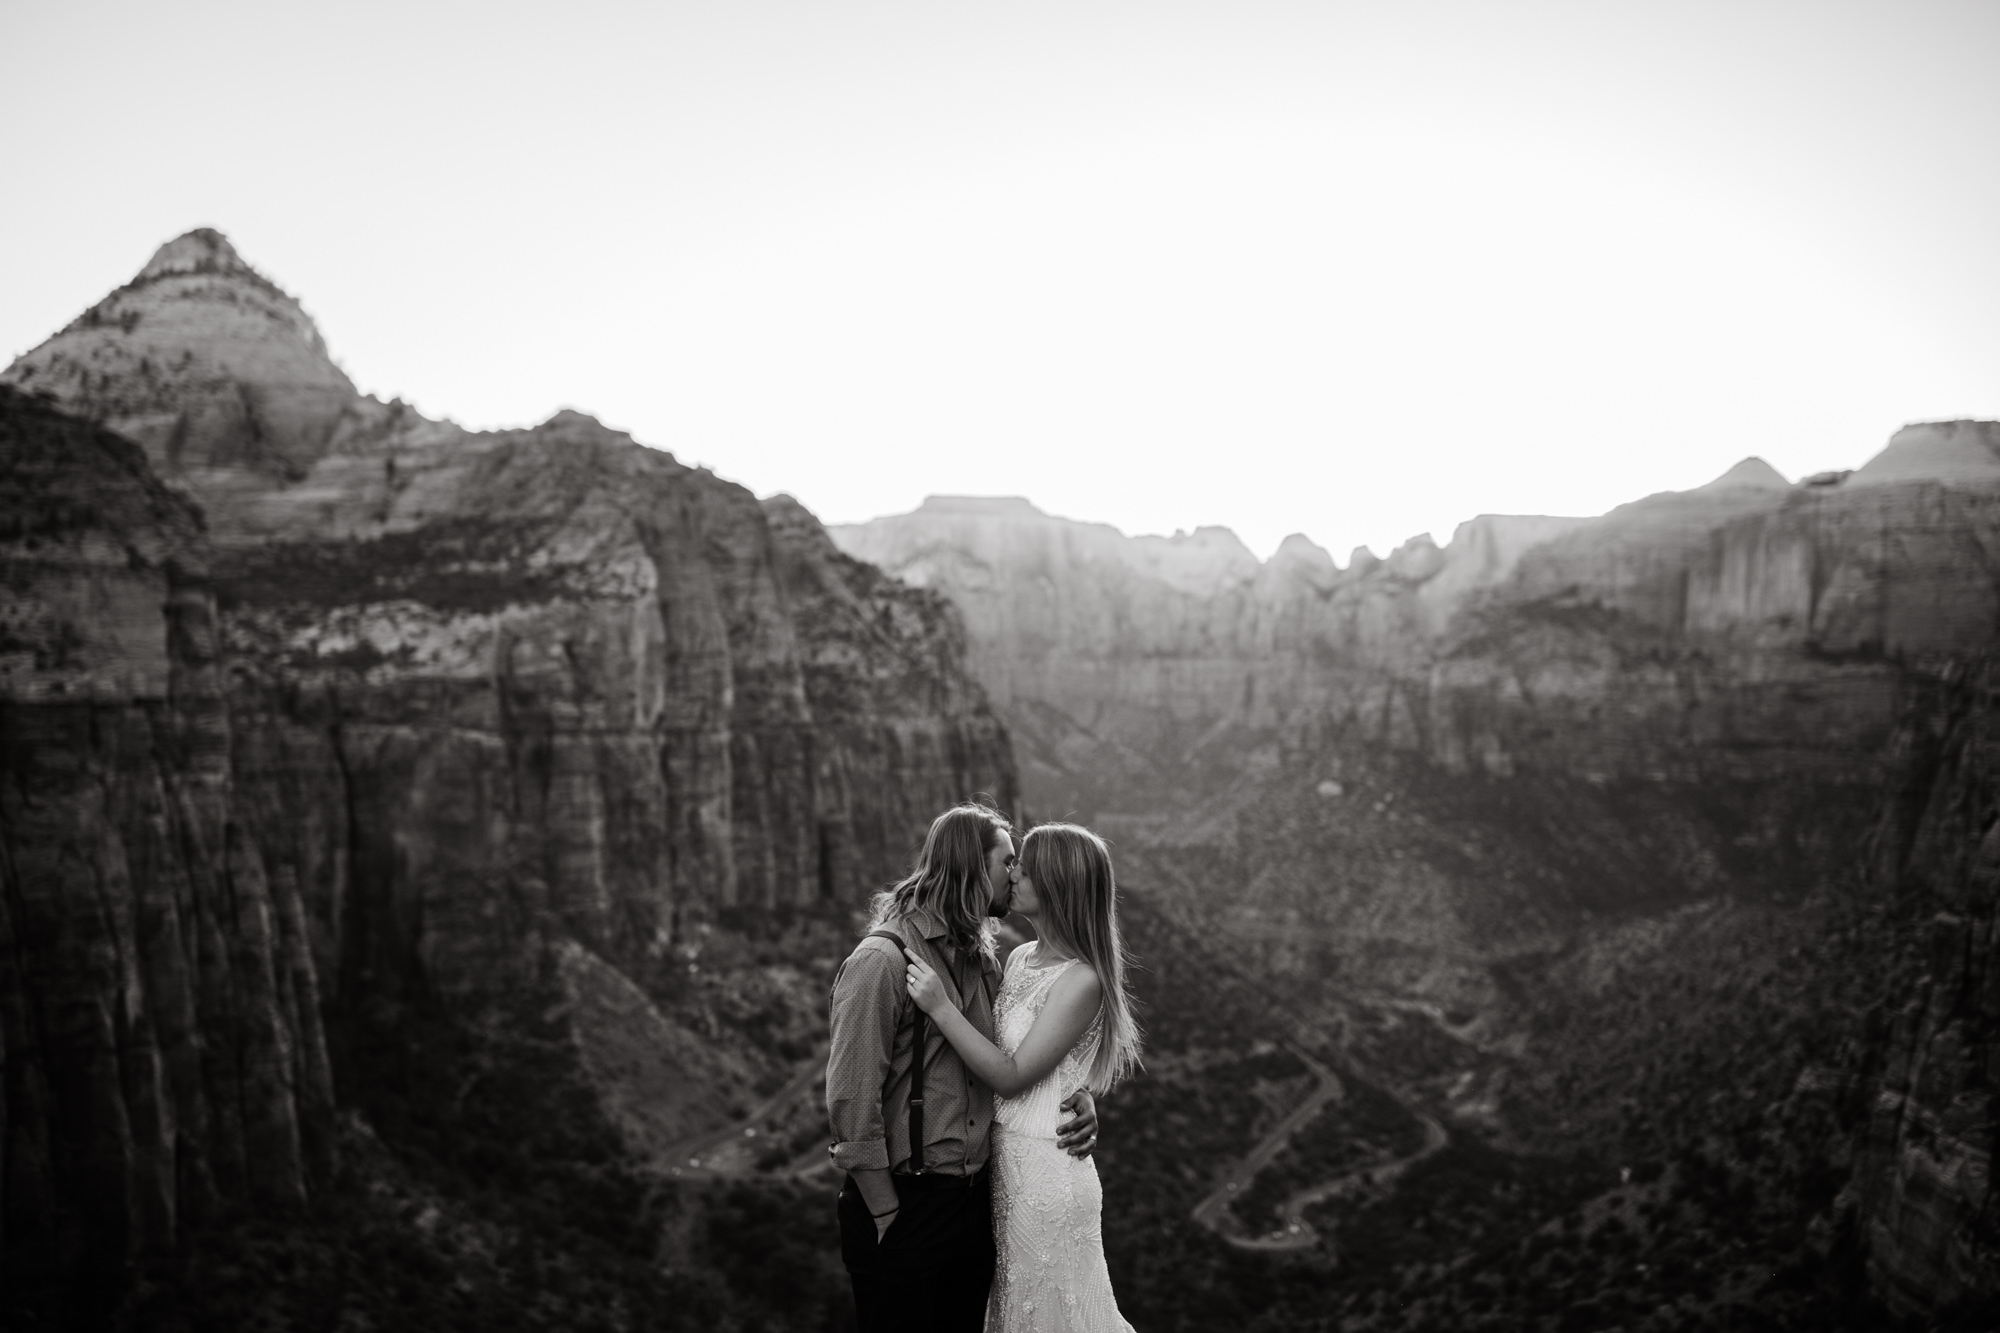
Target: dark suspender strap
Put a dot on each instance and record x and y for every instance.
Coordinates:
(916, 1061)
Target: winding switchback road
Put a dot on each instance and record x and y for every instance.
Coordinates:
(1213, 1211)
(1295, 1233)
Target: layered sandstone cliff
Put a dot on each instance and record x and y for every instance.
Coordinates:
(1154, 661)
(1746, 627)
(641, 689)
(160, 1040)
(1750, 631)
(599, 689)
(363, 714)
(1922, 1187)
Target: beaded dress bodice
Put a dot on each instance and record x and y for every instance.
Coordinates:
(1024, 993)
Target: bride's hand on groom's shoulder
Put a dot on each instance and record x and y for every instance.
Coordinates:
(925, 988)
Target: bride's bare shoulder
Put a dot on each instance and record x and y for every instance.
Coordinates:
(1079, 983)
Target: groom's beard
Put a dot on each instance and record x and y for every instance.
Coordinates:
(1003, 906)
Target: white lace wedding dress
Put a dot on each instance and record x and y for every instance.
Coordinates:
(1047, 1205)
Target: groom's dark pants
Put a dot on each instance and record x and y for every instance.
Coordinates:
(931, 1272)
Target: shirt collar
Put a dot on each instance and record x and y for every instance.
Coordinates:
(929, 924)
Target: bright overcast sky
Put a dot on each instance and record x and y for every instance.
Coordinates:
(1356, 270)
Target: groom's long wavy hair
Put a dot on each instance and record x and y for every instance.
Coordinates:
(950, 879)
(1071, 870)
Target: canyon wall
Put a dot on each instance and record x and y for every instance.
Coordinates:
(1748, 627)
(1136, 669)
(314, 706)
(1750, 632)
(600, 690)
(1922, 1188)
(160, 1040)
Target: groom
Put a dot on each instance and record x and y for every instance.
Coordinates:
(916, 1227)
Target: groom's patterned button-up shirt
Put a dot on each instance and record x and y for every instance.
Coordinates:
(868, 1064)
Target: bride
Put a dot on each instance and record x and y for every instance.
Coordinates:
(1064, 1021)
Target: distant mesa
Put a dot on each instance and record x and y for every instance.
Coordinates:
(976, 536)
(1957, 453)
(998, 506)
(1008, 530)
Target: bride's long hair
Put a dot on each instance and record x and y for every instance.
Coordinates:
(1071, 868)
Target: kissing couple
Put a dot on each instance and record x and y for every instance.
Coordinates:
(966, 1204)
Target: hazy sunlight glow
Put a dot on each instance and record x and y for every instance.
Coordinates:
(1359, 271)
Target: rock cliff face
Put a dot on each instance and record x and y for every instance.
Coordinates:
(1923, 1179)
(425, 718)
(1138, 657)
(160, 1037)
(1747, 627)
(599, 689)
(1747, 631)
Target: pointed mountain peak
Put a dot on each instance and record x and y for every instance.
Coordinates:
(203, 250)
(210, 367)
(1750, 474)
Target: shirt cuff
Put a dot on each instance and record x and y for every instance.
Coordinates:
(861, 1155)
